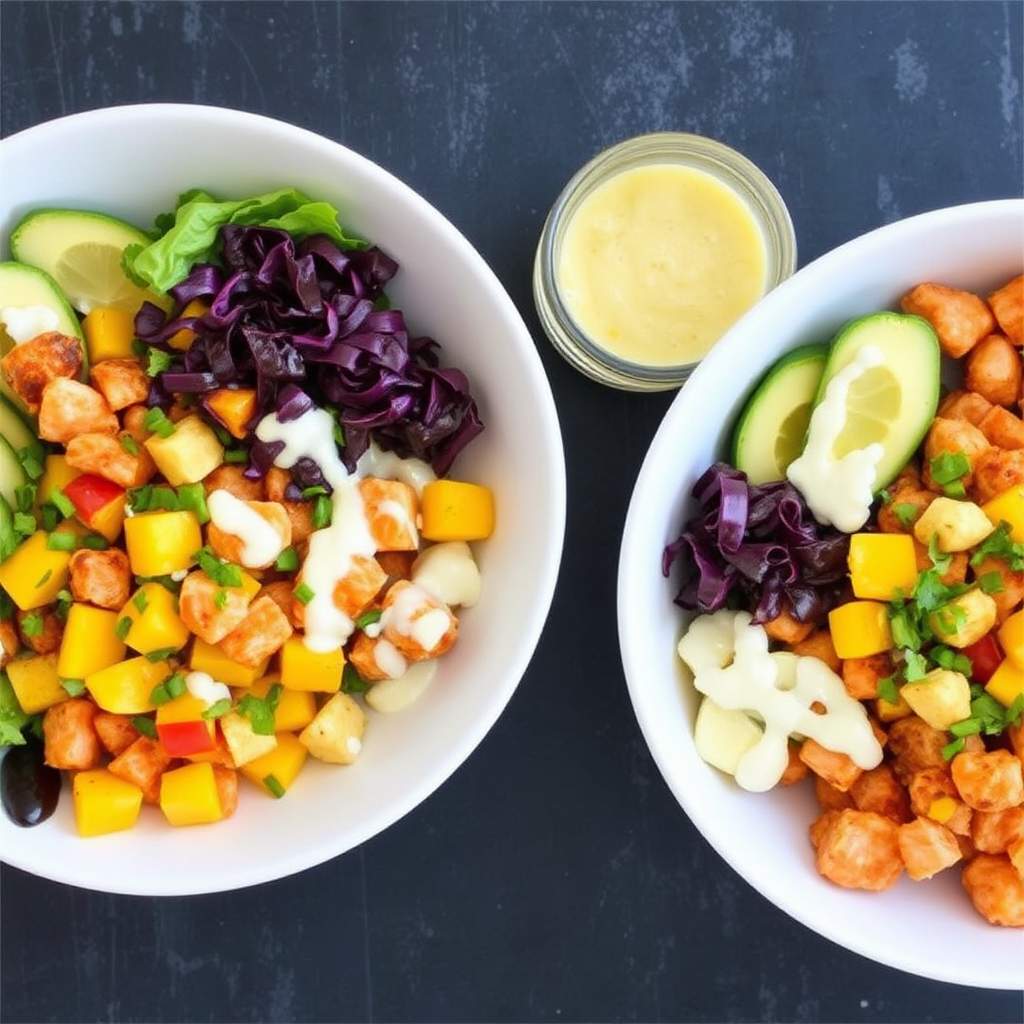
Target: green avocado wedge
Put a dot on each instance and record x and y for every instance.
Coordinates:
(771, 427)
(892, 403)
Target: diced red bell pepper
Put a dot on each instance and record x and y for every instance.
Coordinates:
(182, 739)
(986, 656)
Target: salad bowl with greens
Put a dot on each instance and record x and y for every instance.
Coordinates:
(317, 388)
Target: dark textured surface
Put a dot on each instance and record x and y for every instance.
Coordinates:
(554, 877)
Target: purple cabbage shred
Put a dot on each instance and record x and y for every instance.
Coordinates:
(757, 547)
(299, 322)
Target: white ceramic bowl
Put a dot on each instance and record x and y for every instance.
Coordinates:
(133, 162)
(930, 928)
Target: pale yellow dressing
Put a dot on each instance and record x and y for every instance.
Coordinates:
(658, 262)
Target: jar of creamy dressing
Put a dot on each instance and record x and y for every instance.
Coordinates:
(652, 251)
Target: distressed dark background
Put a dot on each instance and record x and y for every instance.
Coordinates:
(553, 878)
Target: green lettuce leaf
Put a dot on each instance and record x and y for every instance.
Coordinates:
(189, 234)
(12, 719)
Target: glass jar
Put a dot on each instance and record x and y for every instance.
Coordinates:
(713, 194)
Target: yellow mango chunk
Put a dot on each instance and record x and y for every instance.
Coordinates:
(860, 628)
(188, 795)
(57, 474)
(90, 641)
(1011, 637)
(455, 510)
(234, 407)
(1008, 507)
(882, 565)
(104, 803)
(276, 770)
(36, 682)
(182, 340)
(109, 334)
(1006, 684)
(161, 543)
(211, 659)
(303, 669)
(155, 624)
(187, 455)
(295, 708)
(34, 574)
(125, 688)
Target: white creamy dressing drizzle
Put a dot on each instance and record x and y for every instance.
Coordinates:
(838, 491)
(204, 687)
(406, 616)
(261, 543)
(400, 514)
(23, 323)
(331, 549)
(731, 664)
(389, 659)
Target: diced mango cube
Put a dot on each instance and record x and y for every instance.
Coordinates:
(104, 803)
(57, 474)
(234, 407)
(304, 669)
(295, 708)
(276, 770)
(155, 624)
(161, 543)
(90, 641)
(182, 340)
(187, 455)
(109, 333)
(36, 682)
(456, 510)
(125, 688)
(882, 565)
(189, 796)
(860, 628)
(34, 574)
(1011, 637)
(211, 659)
(1008, 507)
(1006, 684)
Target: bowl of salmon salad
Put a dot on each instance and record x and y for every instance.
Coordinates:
(282, 499)
(821, 596)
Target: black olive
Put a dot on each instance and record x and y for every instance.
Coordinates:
(29, 787)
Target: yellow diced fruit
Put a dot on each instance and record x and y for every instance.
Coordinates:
(295, 708)
(303, 669)
(1006, 684)
(57, 474)
(882, 566)
(1008, 507)
(34, 574)
(277, 770)
(211, 659)
(109, 520)
(889, 711)
(184, 708)
(336, 734)
(182, 340)
(940, 698)
(243, 741)
(155, 624)
(1011, 637)
(954, 525)
(90, 641)
(125, 688)
(455, 510)
(187, 455)
(942, 808)
(964, 620)
(860, 628)
(104, 803)
(36, 682)
(234, 407)
(161, 543)
(109, 333)
(188, 795)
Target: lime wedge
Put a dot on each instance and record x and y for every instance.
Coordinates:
(82, 252)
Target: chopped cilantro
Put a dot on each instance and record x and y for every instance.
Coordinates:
(144, 726)
(158, 361)
(223, 573)
(173, 686)
(32, 624)
(217, 708)
(261, 710)
(948, 470)
(156, 422)
(905, 512)
(129, 444)
(999, 544)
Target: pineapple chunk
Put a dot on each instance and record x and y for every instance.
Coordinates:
(941, 698)
(244, 743)
(956, 525)
(722, 736)
(336, 734)
(187, 455)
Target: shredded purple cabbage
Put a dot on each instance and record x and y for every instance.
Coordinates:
(285, 314)
(757, 547)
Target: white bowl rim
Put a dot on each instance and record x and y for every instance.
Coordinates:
(821, 270)
(531, 624)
